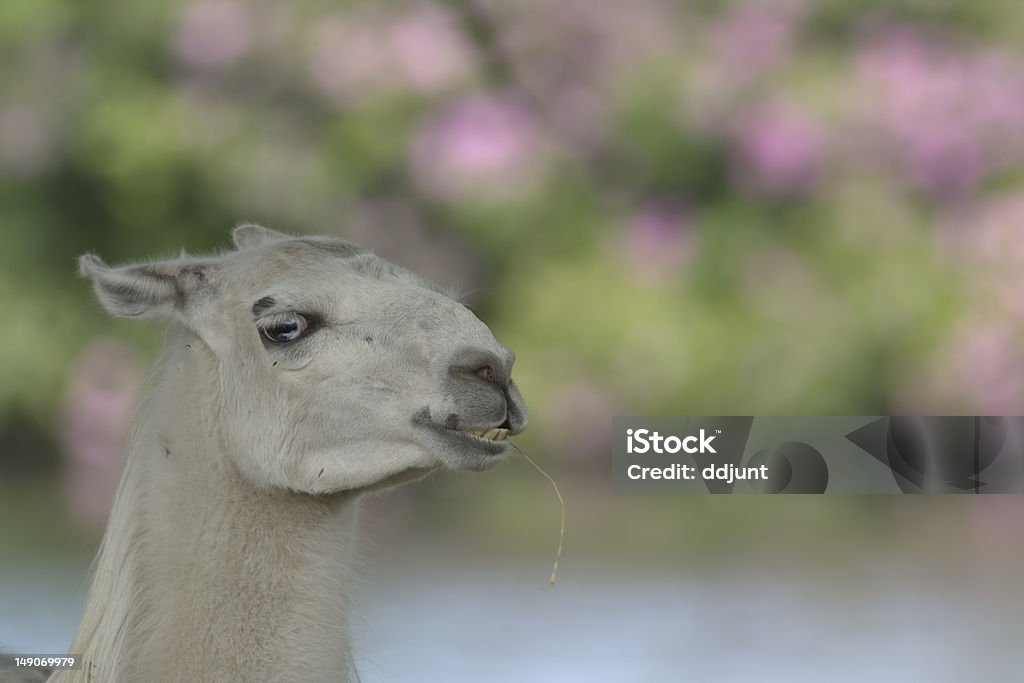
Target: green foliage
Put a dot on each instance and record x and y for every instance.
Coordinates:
(633, 245)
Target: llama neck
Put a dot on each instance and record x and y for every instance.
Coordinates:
(200, 577)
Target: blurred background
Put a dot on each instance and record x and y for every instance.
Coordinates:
(693, 208)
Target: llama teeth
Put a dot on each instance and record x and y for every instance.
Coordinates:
(493, 434)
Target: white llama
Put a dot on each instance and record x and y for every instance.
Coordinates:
(301, 372)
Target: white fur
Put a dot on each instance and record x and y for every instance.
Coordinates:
(228, 552)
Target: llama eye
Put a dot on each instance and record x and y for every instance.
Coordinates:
(285, 328)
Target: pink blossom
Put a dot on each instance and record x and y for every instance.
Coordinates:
(986, 368)
(579, 42)
(778, 150)
(359, 55)
(347, 59)
(480, 147)
(984, 243)
(658, 243)
(103, 386)
(948, 117)
(742, 46)
(979, 366)
(213, 34)
(428, 50)
(753, 39)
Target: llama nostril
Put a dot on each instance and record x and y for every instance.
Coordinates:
(486, 372)
(481, 364)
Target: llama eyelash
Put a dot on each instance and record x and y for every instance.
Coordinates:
(283, 317)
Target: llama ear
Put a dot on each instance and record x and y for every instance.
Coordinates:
(146, 290)
(249, 235)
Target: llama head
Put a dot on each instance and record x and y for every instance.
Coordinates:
(336, 370)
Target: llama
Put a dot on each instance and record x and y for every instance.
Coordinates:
(300, 374)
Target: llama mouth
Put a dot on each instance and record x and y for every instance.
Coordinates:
(490, 440)
(493, 434)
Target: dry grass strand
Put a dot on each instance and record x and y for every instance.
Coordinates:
(561, 501)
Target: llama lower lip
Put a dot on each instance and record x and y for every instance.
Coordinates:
(489, 440)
